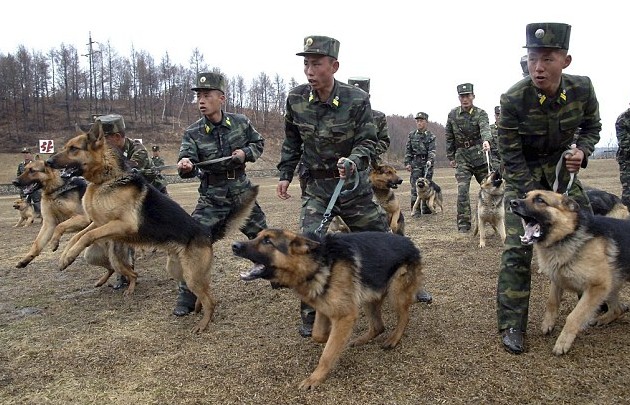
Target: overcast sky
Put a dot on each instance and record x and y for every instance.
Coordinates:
(415, 52)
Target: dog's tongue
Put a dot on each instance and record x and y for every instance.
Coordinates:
(254, 273)
(532, 232)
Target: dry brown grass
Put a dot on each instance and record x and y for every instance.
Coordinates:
(63, 341)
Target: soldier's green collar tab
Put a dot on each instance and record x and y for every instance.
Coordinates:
(333, 101)
(225, 121)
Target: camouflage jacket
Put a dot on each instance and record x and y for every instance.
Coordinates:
(157, 161)
(622, 128)
(420, 148)
(382, 135)
(535, 130)
(137, 157)
(322, 131)
(20, 168)
(470, 128)
(204, 141)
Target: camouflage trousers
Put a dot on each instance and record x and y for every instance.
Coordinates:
(514, 281)
(215, 204)
(358, 210)
(463, 174)
(416, 173)
(624, 177)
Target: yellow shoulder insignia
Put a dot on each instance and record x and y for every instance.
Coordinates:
(336, 101)
(228, 122)
(208, 129)
(310, 96)
(563, 95)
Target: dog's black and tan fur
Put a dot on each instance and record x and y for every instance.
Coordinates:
(60, 205)
(27, 213)
(124, 207)
(337, 275)
(608, 204)
(429, 194)
(579, 252)
(490, 207)
(385, 180)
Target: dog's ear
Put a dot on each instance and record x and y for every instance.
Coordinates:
(301, 245)
(96, 133)
(570, 203)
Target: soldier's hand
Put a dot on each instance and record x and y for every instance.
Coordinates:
(185, 165)
(282, 190)
(239, 154)
(452, 163)
(429, 164)
(486, 146)
(342, 169)
(408, 167)
(573, 160)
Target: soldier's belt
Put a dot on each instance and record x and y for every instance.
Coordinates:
(323, 174)
(469, 143)
(214, 178)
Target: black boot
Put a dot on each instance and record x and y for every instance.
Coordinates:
(513, 340)
(307, 313)
(185, 301)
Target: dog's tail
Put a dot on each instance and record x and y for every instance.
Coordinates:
(619, 211)
(238, 215)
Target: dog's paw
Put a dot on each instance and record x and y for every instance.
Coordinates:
(563, 344)
(24, 262)
(310, 383)
(482, 244)
(54, 245)
(65, 261)
(547, 326)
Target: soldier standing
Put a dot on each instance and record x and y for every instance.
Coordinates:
(467, 138)
(420, 156)
(216, 135)
(156, 159)
(495, 159)
(539, 118)
(329, 123)
(622, 127)
(380, 120)
(35, 197)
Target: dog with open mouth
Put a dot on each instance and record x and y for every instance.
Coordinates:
(580, 252)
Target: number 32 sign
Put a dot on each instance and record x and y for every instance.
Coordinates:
(46, 146)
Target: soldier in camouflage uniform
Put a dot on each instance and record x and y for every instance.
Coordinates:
(622, 127)
(467, 138)
(495, 160)
(420, 156)
(215, 135)
(328, 122)
(35, 197)
(539, 117)
(380, 120)
(157, 162)
(135, 154)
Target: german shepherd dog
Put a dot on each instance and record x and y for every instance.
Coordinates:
(27, 213)
(490, 207)
(124, 207)
(60, 205)
(337, 274)
(385, 180)
(429, 194)
(580, 252)
(608, 204)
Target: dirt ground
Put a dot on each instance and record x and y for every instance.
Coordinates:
(63, 341)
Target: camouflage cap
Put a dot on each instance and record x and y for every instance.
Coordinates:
(497, 109)
(210, 81)
(465, 88)
(112, 124)
(320, 45)
(155, 148)
(524, 65)
(422, 116)
(547, 35)
(361, 82)
(26, 150)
